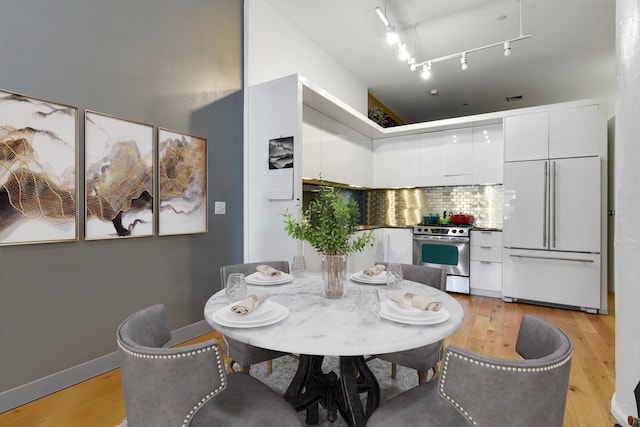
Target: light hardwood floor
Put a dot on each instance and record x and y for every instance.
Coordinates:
(490, 327)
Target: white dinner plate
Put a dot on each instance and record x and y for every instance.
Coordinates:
(378, 279)
(389, 312)
(267, 314)
(258, 278)
(406, 310)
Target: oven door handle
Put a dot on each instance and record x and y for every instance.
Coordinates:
(439, 239)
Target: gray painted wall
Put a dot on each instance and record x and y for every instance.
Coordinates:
(174, 64)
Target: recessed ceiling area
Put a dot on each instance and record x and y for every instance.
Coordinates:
(569, 56)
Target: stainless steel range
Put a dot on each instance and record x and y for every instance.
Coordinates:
(444, 246)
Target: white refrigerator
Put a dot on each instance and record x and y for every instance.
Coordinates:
(552, 220)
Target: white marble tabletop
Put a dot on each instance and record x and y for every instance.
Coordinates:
(317, 325)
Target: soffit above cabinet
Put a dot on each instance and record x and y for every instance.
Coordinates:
(322, 101)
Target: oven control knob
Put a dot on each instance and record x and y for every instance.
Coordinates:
(454, 231)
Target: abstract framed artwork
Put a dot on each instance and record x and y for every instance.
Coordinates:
(118, 177)
(182, 183)
(38, 170)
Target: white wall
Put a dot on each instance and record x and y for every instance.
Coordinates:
(627, 234)
(275, 48)
(274, 112)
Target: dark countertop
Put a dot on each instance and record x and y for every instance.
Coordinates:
(373, 227)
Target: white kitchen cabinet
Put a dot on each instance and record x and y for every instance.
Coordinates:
(557, 133)
(385, 171)
(458, 153)
(573, 132)
(446, 157)
(526, 137)
(312, 136)
(396, 162)
(485, 276)
(398, 245)
(371, 253)
(346, 155)
(334, 152)
(431, 158)
(488, 154)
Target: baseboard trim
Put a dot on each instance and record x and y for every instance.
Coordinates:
(41, 387)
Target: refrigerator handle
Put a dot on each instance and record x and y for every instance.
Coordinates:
(553, 219)
(544, 205)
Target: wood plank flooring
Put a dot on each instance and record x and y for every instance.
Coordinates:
(490, 327)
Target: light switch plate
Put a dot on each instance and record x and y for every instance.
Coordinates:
(220, 208)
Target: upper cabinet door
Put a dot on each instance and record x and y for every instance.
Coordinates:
(407, 148)
(431, 156)
(573, 132)
(458, 152)
(488, 154)
(312, 136)
(526, 137)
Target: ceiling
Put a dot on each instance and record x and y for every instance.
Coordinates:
(569, 56)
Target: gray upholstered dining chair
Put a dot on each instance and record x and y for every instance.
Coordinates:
(243, 354)
(477, 390)
(188, 386)
(425, 358)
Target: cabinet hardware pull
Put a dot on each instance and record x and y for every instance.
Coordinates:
(552, 258)
(554, 196)
(544, 205)
(485, 247)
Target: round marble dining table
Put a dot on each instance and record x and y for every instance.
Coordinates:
(317, 326)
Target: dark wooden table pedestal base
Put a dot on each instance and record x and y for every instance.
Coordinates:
(310, 387)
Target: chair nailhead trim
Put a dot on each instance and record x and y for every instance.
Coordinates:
(188, 354)
(450, 354)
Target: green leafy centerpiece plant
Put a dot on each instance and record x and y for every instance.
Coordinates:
(328, 224)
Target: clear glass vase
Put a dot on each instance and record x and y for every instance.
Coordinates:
(334, 276)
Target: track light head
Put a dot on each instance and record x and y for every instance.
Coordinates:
(463, 61)
(507, 48)
(403, 53)
(426, 71)
(392, 36)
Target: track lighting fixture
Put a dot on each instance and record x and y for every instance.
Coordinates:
(404, 54)
(426, 71)
(507, 48)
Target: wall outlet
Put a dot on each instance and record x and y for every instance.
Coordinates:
(220, 208)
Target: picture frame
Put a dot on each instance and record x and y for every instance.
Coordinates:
(182, 183)
(281, 168)
(119, 177)
(38, 170)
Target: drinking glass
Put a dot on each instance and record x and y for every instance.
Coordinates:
(368, 306)
(236, 289)
(298, 266)
(394, 275)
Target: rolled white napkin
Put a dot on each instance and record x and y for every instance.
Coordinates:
(250, 303)
(372, 271)
(267, 270)
(420, 302)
